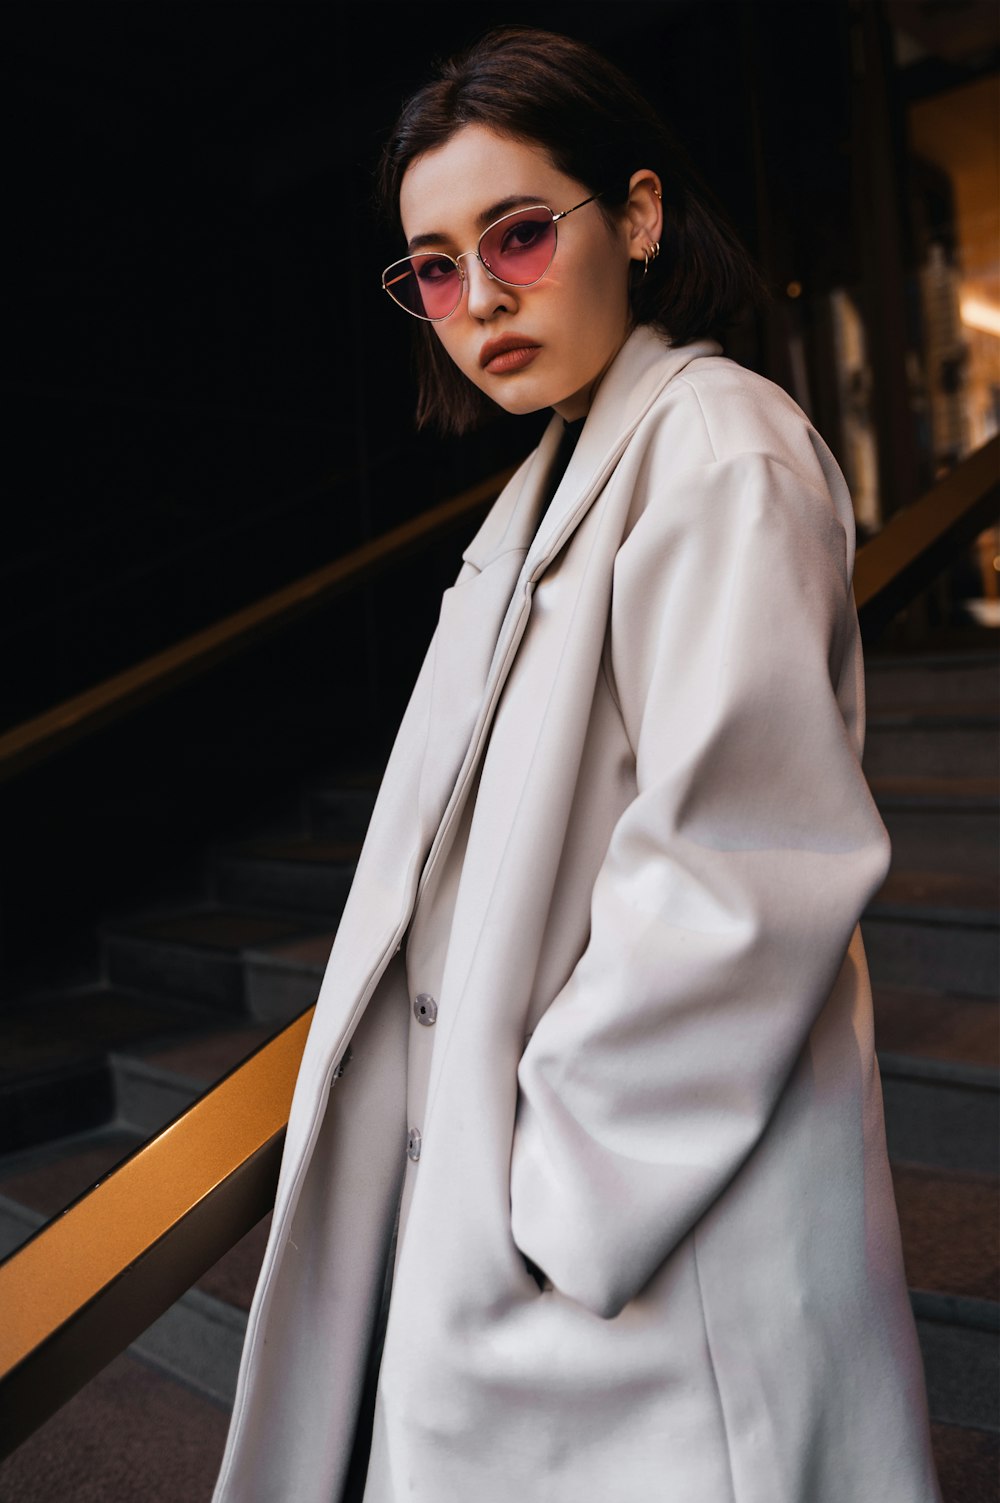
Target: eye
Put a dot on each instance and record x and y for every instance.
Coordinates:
(435, 269)
(522, 235)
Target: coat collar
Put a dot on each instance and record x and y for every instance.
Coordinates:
(646, 363)
(483, 617)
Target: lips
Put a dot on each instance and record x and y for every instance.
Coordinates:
(509, 353)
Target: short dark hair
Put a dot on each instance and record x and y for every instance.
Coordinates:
(558, 93)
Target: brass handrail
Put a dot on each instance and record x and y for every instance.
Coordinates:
(35, 739)
(74, 1296)
(87, 1283)
(917, 541)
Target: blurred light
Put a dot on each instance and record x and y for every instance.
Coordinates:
(977, 313)
(794, 289)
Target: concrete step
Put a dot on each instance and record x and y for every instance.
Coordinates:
(951, 1244)
(935, 930)
(938, 1057)
(946, 823)
(929, 741)
(153, 1084)
(297, 875)
(934, 679)
(284, 979)
(37, 1183)
(950, 1249)
(133, 1435)
(199, 954)
(938, 1031)
(968, 1461)
(960, 1367)
(199, 1340)
(55, 1072)
(257, 958)
(948, 1123)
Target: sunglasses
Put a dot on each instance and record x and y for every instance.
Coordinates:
(517, 250)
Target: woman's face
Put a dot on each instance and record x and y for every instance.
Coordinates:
(559, 335)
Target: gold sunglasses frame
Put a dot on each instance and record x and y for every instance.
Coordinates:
(457, 260)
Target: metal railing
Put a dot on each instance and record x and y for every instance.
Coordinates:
(921, 539)
(85, 713)
(86, 1284)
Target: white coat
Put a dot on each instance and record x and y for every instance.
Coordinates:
(653, 1069)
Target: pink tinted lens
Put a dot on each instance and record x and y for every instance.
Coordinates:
(520, 247)
(428, 285)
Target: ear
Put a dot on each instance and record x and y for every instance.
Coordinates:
(644, 213)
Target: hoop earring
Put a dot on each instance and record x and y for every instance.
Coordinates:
(649, 255)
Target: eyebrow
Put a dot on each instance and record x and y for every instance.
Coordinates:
(495, 211)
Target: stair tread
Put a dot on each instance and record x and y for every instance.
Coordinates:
(133, 1434)
(309, 954)
(968, 896)
(61, 1031)
(887, 658)
(972, 712)
(967, 1461)
(233, 1278)
(211, 1055)
(48, 1184)
(947, 1218)
(313, 850)
(934, 1025)
(950, 791)
(947, 1221)
(214, 928)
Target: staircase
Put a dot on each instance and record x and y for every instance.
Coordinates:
(87, 1074)
(932, 940)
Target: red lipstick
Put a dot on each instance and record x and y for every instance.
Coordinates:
(511, 352)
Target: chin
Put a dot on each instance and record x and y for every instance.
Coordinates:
(523, 407)
(525, 399)
(518, 403)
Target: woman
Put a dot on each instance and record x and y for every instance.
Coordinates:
(596, 1205)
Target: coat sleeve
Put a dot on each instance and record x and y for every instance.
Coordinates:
(731, 885)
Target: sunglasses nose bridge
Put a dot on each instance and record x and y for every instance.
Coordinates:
(475, 256)
(474, 289)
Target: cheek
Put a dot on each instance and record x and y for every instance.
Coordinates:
(599, 283)
(597, 322)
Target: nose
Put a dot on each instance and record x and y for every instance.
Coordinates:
(486, 295)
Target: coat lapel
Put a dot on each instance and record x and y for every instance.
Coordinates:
(474, 616)
(483, 618)
(640, 372)
(643, 368)
(421, 773)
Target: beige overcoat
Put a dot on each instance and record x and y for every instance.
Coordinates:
(653, 1069)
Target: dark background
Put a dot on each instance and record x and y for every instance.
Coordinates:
(207, 394)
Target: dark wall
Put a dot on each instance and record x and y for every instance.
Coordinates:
(208, 394)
